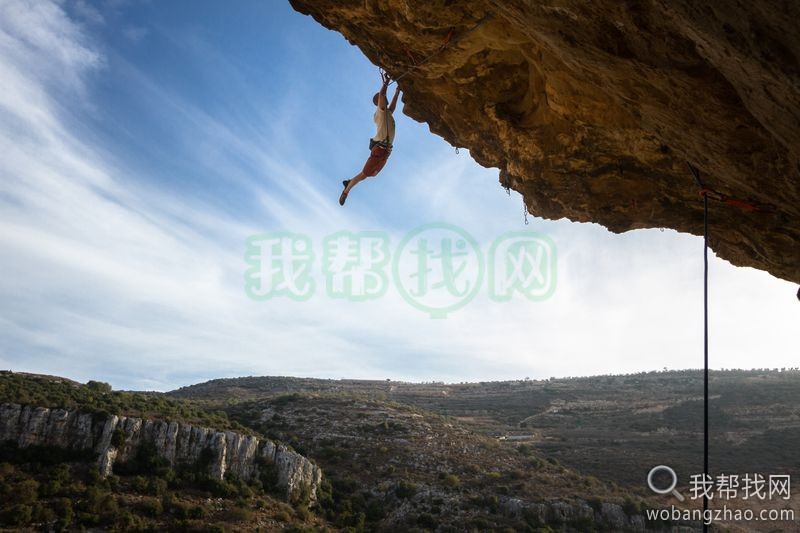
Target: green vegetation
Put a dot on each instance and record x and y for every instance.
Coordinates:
(610, 427)
(389, 436)
(60, 489)
(415, 457)
(97, 397)
(36, 490)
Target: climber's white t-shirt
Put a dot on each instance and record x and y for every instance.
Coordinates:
(384, 122)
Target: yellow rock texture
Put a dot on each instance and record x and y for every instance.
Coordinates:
(591, 109)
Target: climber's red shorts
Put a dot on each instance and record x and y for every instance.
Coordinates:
(378, 156)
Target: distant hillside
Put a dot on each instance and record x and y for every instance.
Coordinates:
(386, 466)
(396, 467)
(96, 396)
(550, 455)
(614, 428)
(69, 463)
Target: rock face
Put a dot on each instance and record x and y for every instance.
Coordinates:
(609, 515)
(592, 109)
(180, 444)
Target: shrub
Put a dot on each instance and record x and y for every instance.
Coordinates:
(240, 514)
(93, 475)
(147, 461)
(126, 521)
(179, 509)
(98, 501)
(43, 514)
(405, 489)
(325, 494)
(98, 386)
(156, 486)
(595, 503)
(267, 475)
(118, 438)
(20, 514)
(427, 521)
(375, 510)
(140, 484)
(525, 449)
(631, 507)
(150, 507)
(517, 474)
(197, 512)
(61, 473)
(301, 496)
(452, 481)
(480, 524)
(492, 502)
(302, 512)
(63, 507)
(218, 488)
(89, 519)
(282, 516)
(26, 492)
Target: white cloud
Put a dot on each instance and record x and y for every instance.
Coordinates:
(105, 276)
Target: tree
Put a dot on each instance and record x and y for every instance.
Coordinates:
(98, 386)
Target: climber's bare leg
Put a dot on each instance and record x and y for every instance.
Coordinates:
(352, 182)
(355, 180)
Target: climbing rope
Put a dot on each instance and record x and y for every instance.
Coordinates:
(449, 40)
(708, 192)
(705, 193)
(524, 211)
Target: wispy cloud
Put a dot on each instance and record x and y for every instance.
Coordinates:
(110, 272)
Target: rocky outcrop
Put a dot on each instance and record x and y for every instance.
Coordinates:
(119, 438)
(606, 516)
(591, 109)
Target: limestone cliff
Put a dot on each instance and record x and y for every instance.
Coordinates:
(591, 109)
(230, 452)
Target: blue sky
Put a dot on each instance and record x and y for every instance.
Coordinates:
(144, 142)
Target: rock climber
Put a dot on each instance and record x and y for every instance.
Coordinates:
(380, 145)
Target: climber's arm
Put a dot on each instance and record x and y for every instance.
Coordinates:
(382, 94)
(394, 99)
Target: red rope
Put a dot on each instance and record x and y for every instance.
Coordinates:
(729, 200)
(451, 38)
(447, 39)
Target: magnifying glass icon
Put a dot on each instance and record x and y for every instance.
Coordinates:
(668, 490)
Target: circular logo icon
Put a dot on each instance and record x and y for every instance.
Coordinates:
(673, 481)
(438, 268)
